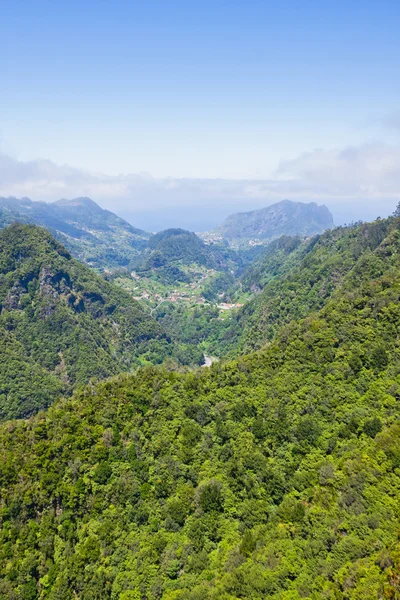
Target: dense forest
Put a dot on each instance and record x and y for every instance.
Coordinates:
(61, 324)
(169, 251)
(275, 475)
(294, 277)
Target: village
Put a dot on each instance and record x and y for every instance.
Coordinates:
(153, 293)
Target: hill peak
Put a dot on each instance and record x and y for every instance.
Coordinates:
(74, 202)
(282, 218)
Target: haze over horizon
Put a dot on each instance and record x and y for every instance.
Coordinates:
(180, 114)
(200, 400)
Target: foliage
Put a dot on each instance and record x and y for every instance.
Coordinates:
(276, 257)
(170, 250)
(61, 324)
(276, 475)
(190, 325)
(219, 284)
(96, 236)
(300, 278)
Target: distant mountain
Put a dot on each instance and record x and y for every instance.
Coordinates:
(275, 476)
(62, 324)
(294, 278)
(95, 236)
(283, 218)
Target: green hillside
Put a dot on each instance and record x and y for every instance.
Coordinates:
(275, 476)
(290, 278)
(296, 278)
(95, 236)
(277, 257)
(178, 268)
(170, 252)
(61, 324)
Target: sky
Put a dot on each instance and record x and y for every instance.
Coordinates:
(188, 111)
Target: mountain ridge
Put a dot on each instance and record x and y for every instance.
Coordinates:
(282, 218)
(61, 321)
(94, 235)
(275, 475)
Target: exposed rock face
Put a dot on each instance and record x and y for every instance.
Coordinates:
(14, 296)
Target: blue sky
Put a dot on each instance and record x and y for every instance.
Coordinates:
(196, 89)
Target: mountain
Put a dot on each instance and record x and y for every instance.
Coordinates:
(61, 323)
(284, 218)
(179, 245)
(274, 258)
(171, 253)
(274, 476)
(294, 278)
(290, 279)
(95, 236)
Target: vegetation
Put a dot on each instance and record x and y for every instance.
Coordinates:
(93, 235)
(61, 324)
(276, 258)
(191, 325)
(179, 267)
(172, 249)
(283, 218)
(272, 476)
(300, 278)
(289, 279)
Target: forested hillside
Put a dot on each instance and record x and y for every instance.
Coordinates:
(61, 324)
(170, 253)
(179, 269)
(275, 476)
(95, 236)
(299, 277)
(277, 257)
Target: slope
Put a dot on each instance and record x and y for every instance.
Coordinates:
(282, 218)
(61, 324)
(272, 477)
(178, 266)
(174, 249)
(93, 235)
(297, 280)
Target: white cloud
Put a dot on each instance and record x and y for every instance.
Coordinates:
(361, 182)
(365, 172)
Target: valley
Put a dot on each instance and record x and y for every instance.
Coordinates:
(127, 471)
(200, 300)
(153, 293)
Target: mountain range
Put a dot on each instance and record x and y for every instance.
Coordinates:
(273, 476)
(95, 236)
(104, 241)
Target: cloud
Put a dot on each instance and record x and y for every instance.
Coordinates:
(364, 172)
(360, 182)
